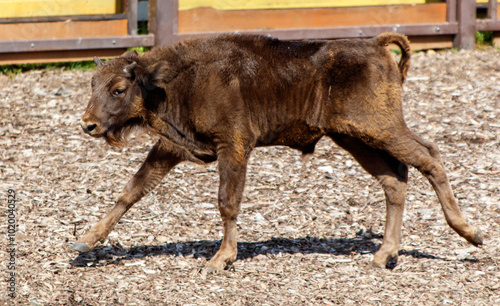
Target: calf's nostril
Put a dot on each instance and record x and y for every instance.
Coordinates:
(90, 127)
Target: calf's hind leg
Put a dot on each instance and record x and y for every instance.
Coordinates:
(158, 163)
(424, 155)
(393, 176)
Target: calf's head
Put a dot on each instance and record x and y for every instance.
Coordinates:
(116, 104)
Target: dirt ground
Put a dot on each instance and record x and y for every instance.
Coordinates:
(307, 232)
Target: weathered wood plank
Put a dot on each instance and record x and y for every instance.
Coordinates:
(63, 29)
(57, 56)
(211, 20)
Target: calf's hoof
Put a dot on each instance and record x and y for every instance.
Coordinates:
(383, 258)
(214, 266)
(220, 261)
(477, 240)
(209, 270)
(80, 247)
(378, 265)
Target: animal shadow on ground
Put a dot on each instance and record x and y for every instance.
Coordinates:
(116, 254)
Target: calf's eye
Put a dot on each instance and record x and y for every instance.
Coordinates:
(118, 91)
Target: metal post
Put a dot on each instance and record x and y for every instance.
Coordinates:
(466, 16)
(163, 21)
(132, 17)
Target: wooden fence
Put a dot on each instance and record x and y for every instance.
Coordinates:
(435, 25)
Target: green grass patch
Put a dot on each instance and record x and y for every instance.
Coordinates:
(12, 70)
(396, 51)
(140, 50)
(484, 38)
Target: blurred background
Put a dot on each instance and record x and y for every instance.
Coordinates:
(41, 31)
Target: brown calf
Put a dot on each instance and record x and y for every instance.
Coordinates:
(218, 98)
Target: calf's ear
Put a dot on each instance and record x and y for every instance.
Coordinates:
(160, 74)
(130, 56)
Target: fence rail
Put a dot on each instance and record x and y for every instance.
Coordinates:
(461, 24)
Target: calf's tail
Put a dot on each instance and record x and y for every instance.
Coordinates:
(402, 42)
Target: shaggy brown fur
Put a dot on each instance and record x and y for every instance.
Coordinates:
(218, 98)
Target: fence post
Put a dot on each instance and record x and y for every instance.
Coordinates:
(451, 10)
(163, 21)
(492, 9)
(466, 17)
(132, 17)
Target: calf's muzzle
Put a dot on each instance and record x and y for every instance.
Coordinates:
(88, 127)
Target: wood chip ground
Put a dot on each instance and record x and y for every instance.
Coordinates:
(307, 232)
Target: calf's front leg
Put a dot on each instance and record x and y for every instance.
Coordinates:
(159, 162)
(232, 171)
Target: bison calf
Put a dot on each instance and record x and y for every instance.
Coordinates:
(217, 98)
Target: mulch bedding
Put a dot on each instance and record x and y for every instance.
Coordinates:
(307, 232)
